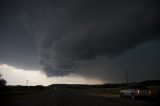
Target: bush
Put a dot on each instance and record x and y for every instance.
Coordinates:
(3, 82)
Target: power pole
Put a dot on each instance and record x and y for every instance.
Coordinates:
(126, 76)
(27, 82)
(0, 75)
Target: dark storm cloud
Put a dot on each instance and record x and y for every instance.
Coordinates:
(71, 32)
(17, 45)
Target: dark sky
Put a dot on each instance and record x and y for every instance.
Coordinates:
(93, 38)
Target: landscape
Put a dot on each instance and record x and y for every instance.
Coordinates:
(76, 94)
(79, 52)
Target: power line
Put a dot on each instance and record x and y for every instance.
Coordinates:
(27, 82)
(126, 76)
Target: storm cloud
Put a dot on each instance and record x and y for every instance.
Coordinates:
(72, 33)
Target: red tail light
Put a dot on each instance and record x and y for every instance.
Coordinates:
(138, 91)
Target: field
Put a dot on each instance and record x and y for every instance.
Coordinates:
(155, 91)
(15, 93)
(101, 91)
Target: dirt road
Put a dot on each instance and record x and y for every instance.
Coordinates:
(74, 98)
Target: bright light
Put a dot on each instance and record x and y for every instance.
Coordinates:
(3, 65)
(149, 92)
(16, 76)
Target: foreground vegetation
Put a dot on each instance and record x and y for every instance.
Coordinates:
(13, 93)
(114, 92)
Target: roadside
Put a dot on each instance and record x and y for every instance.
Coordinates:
(11, 94)
(114, 93)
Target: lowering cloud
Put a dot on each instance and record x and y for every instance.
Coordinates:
(71, 32)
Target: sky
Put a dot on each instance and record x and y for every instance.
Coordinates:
(79, 41)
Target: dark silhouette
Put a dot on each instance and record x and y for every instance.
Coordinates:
(3, 82)
(3, 90)
(0, 75)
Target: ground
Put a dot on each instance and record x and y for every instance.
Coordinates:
(65, 97)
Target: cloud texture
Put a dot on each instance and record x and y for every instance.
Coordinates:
(70, 32)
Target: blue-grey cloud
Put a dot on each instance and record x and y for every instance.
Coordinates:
(71, 32)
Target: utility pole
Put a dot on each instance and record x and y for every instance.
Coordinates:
(126, 76)
(27, 82)
(0, 75)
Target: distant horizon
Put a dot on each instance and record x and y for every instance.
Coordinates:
(85, 83)
(40, 76)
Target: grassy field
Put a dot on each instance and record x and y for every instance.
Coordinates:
(19, 92)
(100, 91)
(13, 93)
(105, 91)
(155, 91)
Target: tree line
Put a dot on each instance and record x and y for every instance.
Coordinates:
(3, 82)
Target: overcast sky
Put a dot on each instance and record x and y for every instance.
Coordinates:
(92, 39)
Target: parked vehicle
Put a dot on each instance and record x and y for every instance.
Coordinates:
(135, 91)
